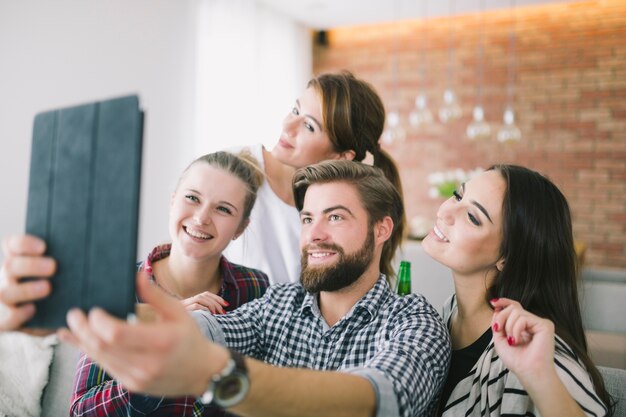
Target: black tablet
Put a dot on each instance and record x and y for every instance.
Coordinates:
(83, 200)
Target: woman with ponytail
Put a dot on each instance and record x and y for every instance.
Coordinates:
(338, 116)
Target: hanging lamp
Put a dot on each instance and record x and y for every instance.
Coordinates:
(421, 115)
(509, 132)
(394, 132)
(450, 109)
(479, 128)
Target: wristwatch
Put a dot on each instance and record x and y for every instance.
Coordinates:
(231, 385)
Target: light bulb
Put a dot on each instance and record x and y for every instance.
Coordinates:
(478, 128)
(450, 109)
(421, 115)
(393, 119)
(394, 132)
(509, 132)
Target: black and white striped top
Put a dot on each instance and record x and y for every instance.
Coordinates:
(491, 390)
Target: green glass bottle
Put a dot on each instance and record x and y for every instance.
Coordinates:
(404, 278)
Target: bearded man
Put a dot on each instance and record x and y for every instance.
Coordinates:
(340, 344)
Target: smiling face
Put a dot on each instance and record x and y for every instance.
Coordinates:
(337, 244)
(303, 140)
(467, 235)
(206, 211)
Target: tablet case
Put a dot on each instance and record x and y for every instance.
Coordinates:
(83, 200)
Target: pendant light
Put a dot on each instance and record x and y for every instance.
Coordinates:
(450, 109)
(394, 131)
(478, 127)
(509, 132)
(421, 114)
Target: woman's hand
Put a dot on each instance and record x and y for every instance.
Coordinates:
(206, 301)
(524, 341)
(23, 258)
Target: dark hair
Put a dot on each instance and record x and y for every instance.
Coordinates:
(540, 266)
(243, 166)
(378, 195)
(353, 116)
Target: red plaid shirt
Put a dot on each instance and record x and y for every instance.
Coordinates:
(97, 394)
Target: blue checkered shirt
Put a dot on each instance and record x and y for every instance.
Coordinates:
(398, 343)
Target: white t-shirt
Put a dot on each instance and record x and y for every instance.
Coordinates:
(271, 242)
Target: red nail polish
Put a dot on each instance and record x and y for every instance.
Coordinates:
(510, 340)
(494, 300)
(226, 303)
(495, 327)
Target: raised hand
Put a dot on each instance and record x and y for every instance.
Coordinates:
(206, 301)
(23, 258)
(524, 341)
(166, 356)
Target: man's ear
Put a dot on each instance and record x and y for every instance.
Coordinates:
(241, 228)
(383, 230)
(500, 264)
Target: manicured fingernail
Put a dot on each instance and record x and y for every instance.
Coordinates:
(495, 327)
(494, 300)
(510, 340)
(226, 303)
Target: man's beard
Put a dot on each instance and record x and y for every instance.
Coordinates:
(343, 273)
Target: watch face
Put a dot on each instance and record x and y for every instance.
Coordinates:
(230, 386)
(231, 389)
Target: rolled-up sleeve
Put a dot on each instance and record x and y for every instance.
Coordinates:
(386, 399)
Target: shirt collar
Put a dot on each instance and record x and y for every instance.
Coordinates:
(158, 253)
(375, 297)
(228, 272)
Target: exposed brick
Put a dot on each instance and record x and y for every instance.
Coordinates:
(570, 102)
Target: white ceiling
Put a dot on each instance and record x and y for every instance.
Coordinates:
(327, 14)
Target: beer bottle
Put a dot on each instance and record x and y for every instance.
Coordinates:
(404, 278)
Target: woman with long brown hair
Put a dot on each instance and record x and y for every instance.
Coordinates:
(517, 337)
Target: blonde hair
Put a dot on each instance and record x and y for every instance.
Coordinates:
(243, 166)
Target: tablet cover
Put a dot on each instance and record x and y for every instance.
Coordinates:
(83, 200)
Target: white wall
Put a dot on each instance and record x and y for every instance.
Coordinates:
(249, 80)
(66, 52)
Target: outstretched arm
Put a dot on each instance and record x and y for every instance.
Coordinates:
(171, 357)
(525, 344)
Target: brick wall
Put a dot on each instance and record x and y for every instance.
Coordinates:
(570, 103)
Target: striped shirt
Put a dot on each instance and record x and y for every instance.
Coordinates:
(398, 343)
(491, 390)
(97, 394)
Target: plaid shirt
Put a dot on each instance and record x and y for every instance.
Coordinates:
(398, 343)
(97, 394)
